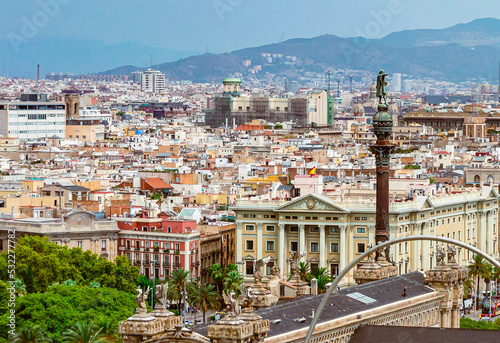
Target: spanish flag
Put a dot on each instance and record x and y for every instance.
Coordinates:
(312, 172)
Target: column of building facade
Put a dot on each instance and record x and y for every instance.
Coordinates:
(322, 247)
(260, 243)
(282, 249)
(425, 247)
(416, 249)
(482, 238)
(371, 235)
(302, 239)
(343, 247)
(350, 233)
(489, 235)
(239, 244)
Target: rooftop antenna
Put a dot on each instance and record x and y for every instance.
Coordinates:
(37, 73)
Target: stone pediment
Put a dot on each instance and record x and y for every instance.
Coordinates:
(312, 202)
(313, 259)
(334, 260)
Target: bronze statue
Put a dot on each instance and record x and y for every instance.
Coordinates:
(381, 83)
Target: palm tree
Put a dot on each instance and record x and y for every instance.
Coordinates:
(487, 276)
(176, 282)
(108, 328)
(496, 276)
(217, 274)
(232, 282)
(29, 335)
(323, 278)
(477, 269)
(304, 271)
(203, 296)
(83, 332)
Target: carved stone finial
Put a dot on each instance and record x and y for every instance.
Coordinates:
(440, 256)
(452, 252)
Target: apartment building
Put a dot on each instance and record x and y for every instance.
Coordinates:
(32, 120)
(152, 81)
(334, 233)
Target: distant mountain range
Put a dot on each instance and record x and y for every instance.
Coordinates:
(77, 56)
(458, 53)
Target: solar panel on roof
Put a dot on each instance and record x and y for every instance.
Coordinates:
(361, 298)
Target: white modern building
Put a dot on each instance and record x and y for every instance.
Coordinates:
(152, 81)
(31, 120)
(396, 82)
(94, 113)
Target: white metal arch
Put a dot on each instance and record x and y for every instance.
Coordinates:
(373, 250)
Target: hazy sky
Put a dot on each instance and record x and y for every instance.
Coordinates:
(226, 25)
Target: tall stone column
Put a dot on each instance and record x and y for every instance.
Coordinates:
(302, 240)
(382, 149)
(282, 250)
(259, 242)
(322, 247)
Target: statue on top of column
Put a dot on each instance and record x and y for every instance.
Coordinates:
(381, 83)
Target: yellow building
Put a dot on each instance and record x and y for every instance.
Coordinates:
(84, 131)
(334, 233)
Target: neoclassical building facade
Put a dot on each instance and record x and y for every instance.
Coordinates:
(334, 233)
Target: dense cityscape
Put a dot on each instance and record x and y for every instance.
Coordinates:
(263, 197)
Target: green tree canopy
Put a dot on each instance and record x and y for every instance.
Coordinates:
(40, 263)
(61, 306)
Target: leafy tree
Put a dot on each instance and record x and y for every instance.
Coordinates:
(30, 287)
(156, 196)
(83, 332)
(29, 334)
(467, 323)
(203, 296)
(51, 264)
(478, 268)
(218, 273)
(176, 282)
(54, 310)
(19, 287)
(232, 282)
(488, 275)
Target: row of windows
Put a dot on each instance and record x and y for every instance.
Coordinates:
(313, 229)
(148, 244)
(103, 244)
(313, 246)
(149, 258)
(34, 131)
